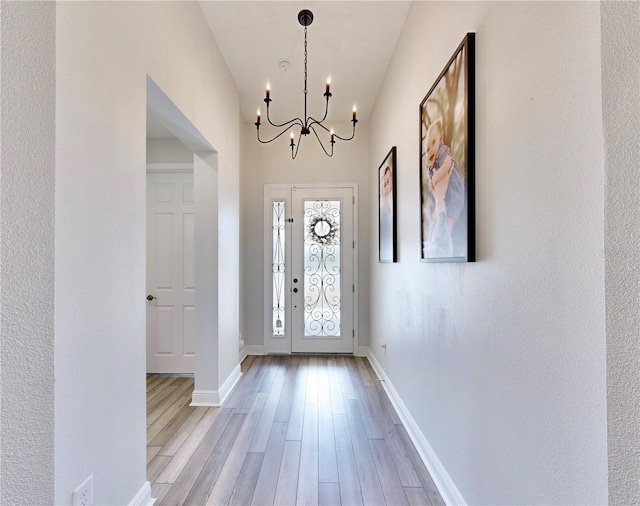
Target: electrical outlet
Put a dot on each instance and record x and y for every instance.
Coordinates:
(83, 495)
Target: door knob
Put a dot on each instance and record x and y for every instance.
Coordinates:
(151, 297)
(295, 290)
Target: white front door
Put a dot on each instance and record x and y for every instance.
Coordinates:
(322, 270)
(170, 273)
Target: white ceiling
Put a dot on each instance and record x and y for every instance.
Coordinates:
(351, 41)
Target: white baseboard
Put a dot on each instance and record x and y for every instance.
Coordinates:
(251, 349)
(205, 398)
(229, 384)
(449, 492)
(143, 497)
(215, 398)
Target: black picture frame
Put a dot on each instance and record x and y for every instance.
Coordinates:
(387, 215)
(447, 158)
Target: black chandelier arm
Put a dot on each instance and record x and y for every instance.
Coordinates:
(314, 121)
(319, 123)
(277, 136)
(285, 124)
(297, 147)
(354, 121)
(320, 141)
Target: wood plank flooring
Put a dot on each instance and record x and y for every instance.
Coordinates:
(297, 430)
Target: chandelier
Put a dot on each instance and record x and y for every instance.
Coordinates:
(309, 124)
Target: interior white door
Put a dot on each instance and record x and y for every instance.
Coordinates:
(170, 273)
(322, 289)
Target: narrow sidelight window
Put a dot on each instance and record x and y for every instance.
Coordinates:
(278, 266)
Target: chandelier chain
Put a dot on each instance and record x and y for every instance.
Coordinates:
(305, 60)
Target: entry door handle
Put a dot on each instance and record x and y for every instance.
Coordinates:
(151, 297)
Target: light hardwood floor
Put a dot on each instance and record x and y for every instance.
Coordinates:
(296, 430)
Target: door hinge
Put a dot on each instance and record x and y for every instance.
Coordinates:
(353, 333)
(353, 287)
(354, 244)
(354, 200)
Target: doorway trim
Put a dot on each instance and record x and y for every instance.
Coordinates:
(160, 168)
(208, 388)
(282, 191)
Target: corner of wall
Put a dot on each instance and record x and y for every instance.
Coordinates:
(620, 60)
(216, 398)
(143, 497)
(441, 478)
(251, 349)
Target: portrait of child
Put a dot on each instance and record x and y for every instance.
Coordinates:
(446, 167)
(387, 221)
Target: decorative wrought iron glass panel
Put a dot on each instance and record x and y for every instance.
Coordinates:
(278, 266)
(322, 268)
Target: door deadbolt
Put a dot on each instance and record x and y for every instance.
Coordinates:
(151, 297)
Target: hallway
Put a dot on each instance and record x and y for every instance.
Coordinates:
(296, 430)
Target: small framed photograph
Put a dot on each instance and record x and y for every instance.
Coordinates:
(447, 145)
(387, 208)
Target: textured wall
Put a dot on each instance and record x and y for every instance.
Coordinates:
(502, 362)
(105, 50)
(26, 251)
(621, 125)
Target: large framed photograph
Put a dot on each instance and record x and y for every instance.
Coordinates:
(387, 208)
(447, 148)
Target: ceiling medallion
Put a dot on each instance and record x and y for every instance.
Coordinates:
(309, 124)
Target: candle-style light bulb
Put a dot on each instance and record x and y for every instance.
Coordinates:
(268, 89)
(354, 110)
(332, 136)
(328, 86)
(259, 114)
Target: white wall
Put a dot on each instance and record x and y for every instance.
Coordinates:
(105, 50)
(272, 163)
(502, 362)
(27, 155)
(168, 151)
(503, 368)
(621, 124)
